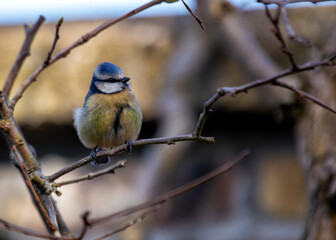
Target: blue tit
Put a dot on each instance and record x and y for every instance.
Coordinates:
(111, 115)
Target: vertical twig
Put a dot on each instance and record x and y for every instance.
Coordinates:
(277, 32)
(23, 54)
(58, 26)
(290, 31)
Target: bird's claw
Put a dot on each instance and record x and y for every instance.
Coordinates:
(98, 160)
(129, 146)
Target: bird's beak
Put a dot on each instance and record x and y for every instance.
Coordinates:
(125, 79)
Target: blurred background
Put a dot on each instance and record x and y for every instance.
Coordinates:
(174, 67)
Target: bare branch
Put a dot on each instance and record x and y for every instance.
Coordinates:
(194, 15)
(206, 111)
(131, 222)
(176, 192)
(32, 189)
(285, 2)
(153, 205)
(83, 39)
(233, 91)
(58, 26)
(86, 225)
(303, 94)
(29, 232)
(291, 33)
(121, 148)
(90, 176)
(277, 32)
(23, 54)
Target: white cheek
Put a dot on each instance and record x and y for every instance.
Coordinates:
(107, 87)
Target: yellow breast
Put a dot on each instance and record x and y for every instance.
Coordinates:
(109, 120)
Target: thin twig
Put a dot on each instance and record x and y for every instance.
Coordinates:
(285, 2)
(83, 39)
(233, 91)
(204, 114)
(29, 232)
(121, 148)
(290, 31)
(32, 189)
(154, 204)
(23, 54)
(176, 192)
(58, 26)
(130, 223)
(200, 22)
(90, 176)
(303, 94)
(86, 225)
(277, 32)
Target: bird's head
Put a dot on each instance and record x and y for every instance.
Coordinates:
(108, 78)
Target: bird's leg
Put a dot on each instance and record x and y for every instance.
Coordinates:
(98, 160)
(93, 156)
(129, 146)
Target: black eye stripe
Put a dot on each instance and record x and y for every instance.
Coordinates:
(110, 80)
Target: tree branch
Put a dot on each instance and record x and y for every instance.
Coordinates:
(277, 32)
(303, 94)
(158, 201)
(148, 207)
(285, 2)
(83, 39)
(121, 148)
(23, 54)
(29, 232)
(90, 176)
(291, 33)
(32, 189)
(233, 91)
(131, 222)
(58, 26)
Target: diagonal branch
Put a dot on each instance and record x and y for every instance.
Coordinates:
(285, 2)
(131, 223)
(303, 94)
(32, 189)
(90, 176)
(81, 40)
(176, 192)
(29, 232)
(200, 22)
(122, 148)
(58, 26)
(23, 54)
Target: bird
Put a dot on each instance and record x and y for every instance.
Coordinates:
(111, 115)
